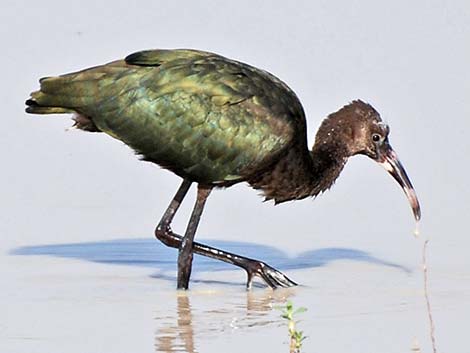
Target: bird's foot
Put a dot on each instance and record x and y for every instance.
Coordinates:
(272, 277)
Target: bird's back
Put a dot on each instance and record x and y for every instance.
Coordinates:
(205, 117)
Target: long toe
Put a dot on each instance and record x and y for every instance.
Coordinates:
(277, 277)
(272, 277)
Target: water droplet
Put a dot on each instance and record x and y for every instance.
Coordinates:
(416, 231)
(415, 348)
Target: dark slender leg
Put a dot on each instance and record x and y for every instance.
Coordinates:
(185, 256)
(163, 232)
(174, 205)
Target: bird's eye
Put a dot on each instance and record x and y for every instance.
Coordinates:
(376, 137)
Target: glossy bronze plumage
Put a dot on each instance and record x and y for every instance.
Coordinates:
(217, 122)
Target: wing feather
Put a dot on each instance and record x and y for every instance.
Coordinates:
(201, 115)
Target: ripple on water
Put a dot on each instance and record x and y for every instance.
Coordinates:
(208, 314)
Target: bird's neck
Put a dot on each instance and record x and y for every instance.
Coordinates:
(328, 160)
(301, 173)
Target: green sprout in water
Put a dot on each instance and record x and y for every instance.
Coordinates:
(296, 337)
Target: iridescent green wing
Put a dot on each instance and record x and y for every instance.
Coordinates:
(198, 114)
(210, 118)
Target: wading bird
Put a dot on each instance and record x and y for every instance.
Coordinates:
(217, 122)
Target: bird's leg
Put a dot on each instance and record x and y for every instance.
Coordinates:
(164, 225)
(163, 232)
(185, 256)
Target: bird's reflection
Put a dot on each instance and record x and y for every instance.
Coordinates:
(179, 332)
(178, 337)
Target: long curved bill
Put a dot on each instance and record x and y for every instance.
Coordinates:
(389, 160)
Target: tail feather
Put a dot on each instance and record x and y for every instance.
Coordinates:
(78, 93)
(69, 86)
(59, 95)
(64, 95)
(75, 91)
(33, 107)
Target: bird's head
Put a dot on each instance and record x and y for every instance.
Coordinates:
(358, 129)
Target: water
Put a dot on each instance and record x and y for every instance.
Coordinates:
(98, 297)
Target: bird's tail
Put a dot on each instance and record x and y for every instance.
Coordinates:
(74, 92)
(58, 95)
(33, 107)
(70, 93)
